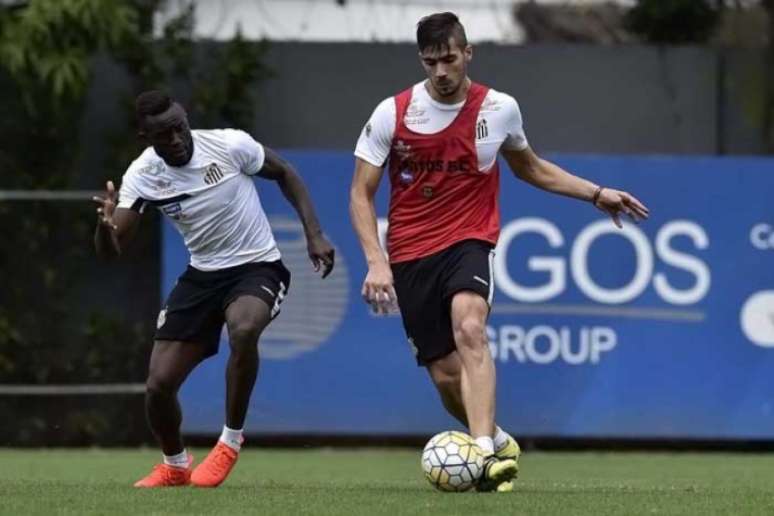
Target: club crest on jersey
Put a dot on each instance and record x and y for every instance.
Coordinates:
(212, 174)
(482, 131)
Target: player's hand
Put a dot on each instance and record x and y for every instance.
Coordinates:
(107, 206)
(378, 289)
(615, 203)
(321, 253)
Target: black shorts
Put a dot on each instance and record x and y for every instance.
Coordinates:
(425, 287)
(195, 309)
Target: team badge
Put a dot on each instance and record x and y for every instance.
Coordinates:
(213, 174)
(482, 131)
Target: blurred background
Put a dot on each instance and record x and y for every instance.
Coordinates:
(659, 333)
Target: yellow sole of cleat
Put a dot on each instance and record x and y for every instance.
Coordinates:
(505, 487)
(503, 471)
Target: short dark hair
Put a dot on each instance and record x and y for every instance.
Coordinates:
(149, 103)
(435, 30)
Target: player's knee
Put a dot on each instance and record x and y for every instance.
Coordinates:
(159, 385)
(243, 339)
(244, 335)
(470, 333)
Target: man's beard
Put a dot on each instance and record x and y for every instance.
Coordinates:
(449, 93)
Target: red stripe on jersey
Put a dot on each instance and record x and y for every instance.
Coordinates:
(438, 196)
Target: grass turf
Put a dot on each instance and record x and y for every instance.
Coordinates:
(372, 482)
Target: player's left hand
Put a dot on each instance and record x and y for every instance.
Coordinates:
(107, 206)
(615, 202)
(321, 253)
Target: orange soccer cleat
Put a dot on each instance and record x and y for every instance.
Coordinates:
(216, 467)
(164, 475)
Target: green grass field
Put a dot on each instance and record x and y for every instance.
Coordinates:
(370, 482)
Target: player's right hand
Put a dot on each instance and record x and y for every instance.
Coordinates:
(378, 289)
(107, 206)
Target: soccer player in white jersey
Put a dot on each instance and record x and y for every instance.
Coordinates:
(440, 139)
(202, 180)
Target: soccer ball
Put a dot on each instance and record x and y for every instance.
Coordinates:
(452, 461)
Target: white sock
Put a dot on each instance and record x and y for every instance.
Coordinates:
(232, 438)
(500, 439)
(486, 444)
(179, 461)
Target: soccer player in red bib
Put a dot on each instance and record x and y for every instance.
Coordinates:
(439, 140)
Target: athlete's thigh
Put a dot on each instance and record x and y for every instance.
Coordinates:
(172, 361)
(248, 313)
(467, 305)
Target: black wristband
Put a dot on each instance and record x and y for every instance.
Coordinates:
(595, 197)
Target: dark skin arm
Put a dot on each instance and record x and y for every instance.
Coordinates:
(321, 251)
(115, 226)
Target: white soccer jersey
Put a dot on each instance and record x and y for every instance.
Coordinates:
(212, 200)
(499, 125)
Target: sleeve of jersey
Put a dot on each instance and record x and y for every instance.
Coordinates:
(129, 195)
(515, 139)
(247, 153)
(375, 139)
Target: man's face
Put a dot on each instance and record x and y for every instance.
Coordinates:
(170, 136)
(446, 67)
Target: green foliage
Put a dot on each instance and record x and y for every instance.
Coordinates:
(64, 317)
(53, 329)
(47, 50)
(45, 46)
(673, 21)
(239, 65)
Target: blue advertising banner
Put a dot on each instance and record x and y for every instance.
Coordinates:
(660, 330)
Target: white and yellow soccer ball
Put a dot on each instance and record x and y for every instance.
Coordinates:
(452, 461)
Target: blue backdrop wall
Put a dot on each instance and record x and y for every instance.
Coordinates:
(663, 329)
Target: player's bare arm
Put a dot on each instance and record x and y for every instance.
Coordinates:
(321, 251)
(378, 289)
(533, 169)
(115, 226)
